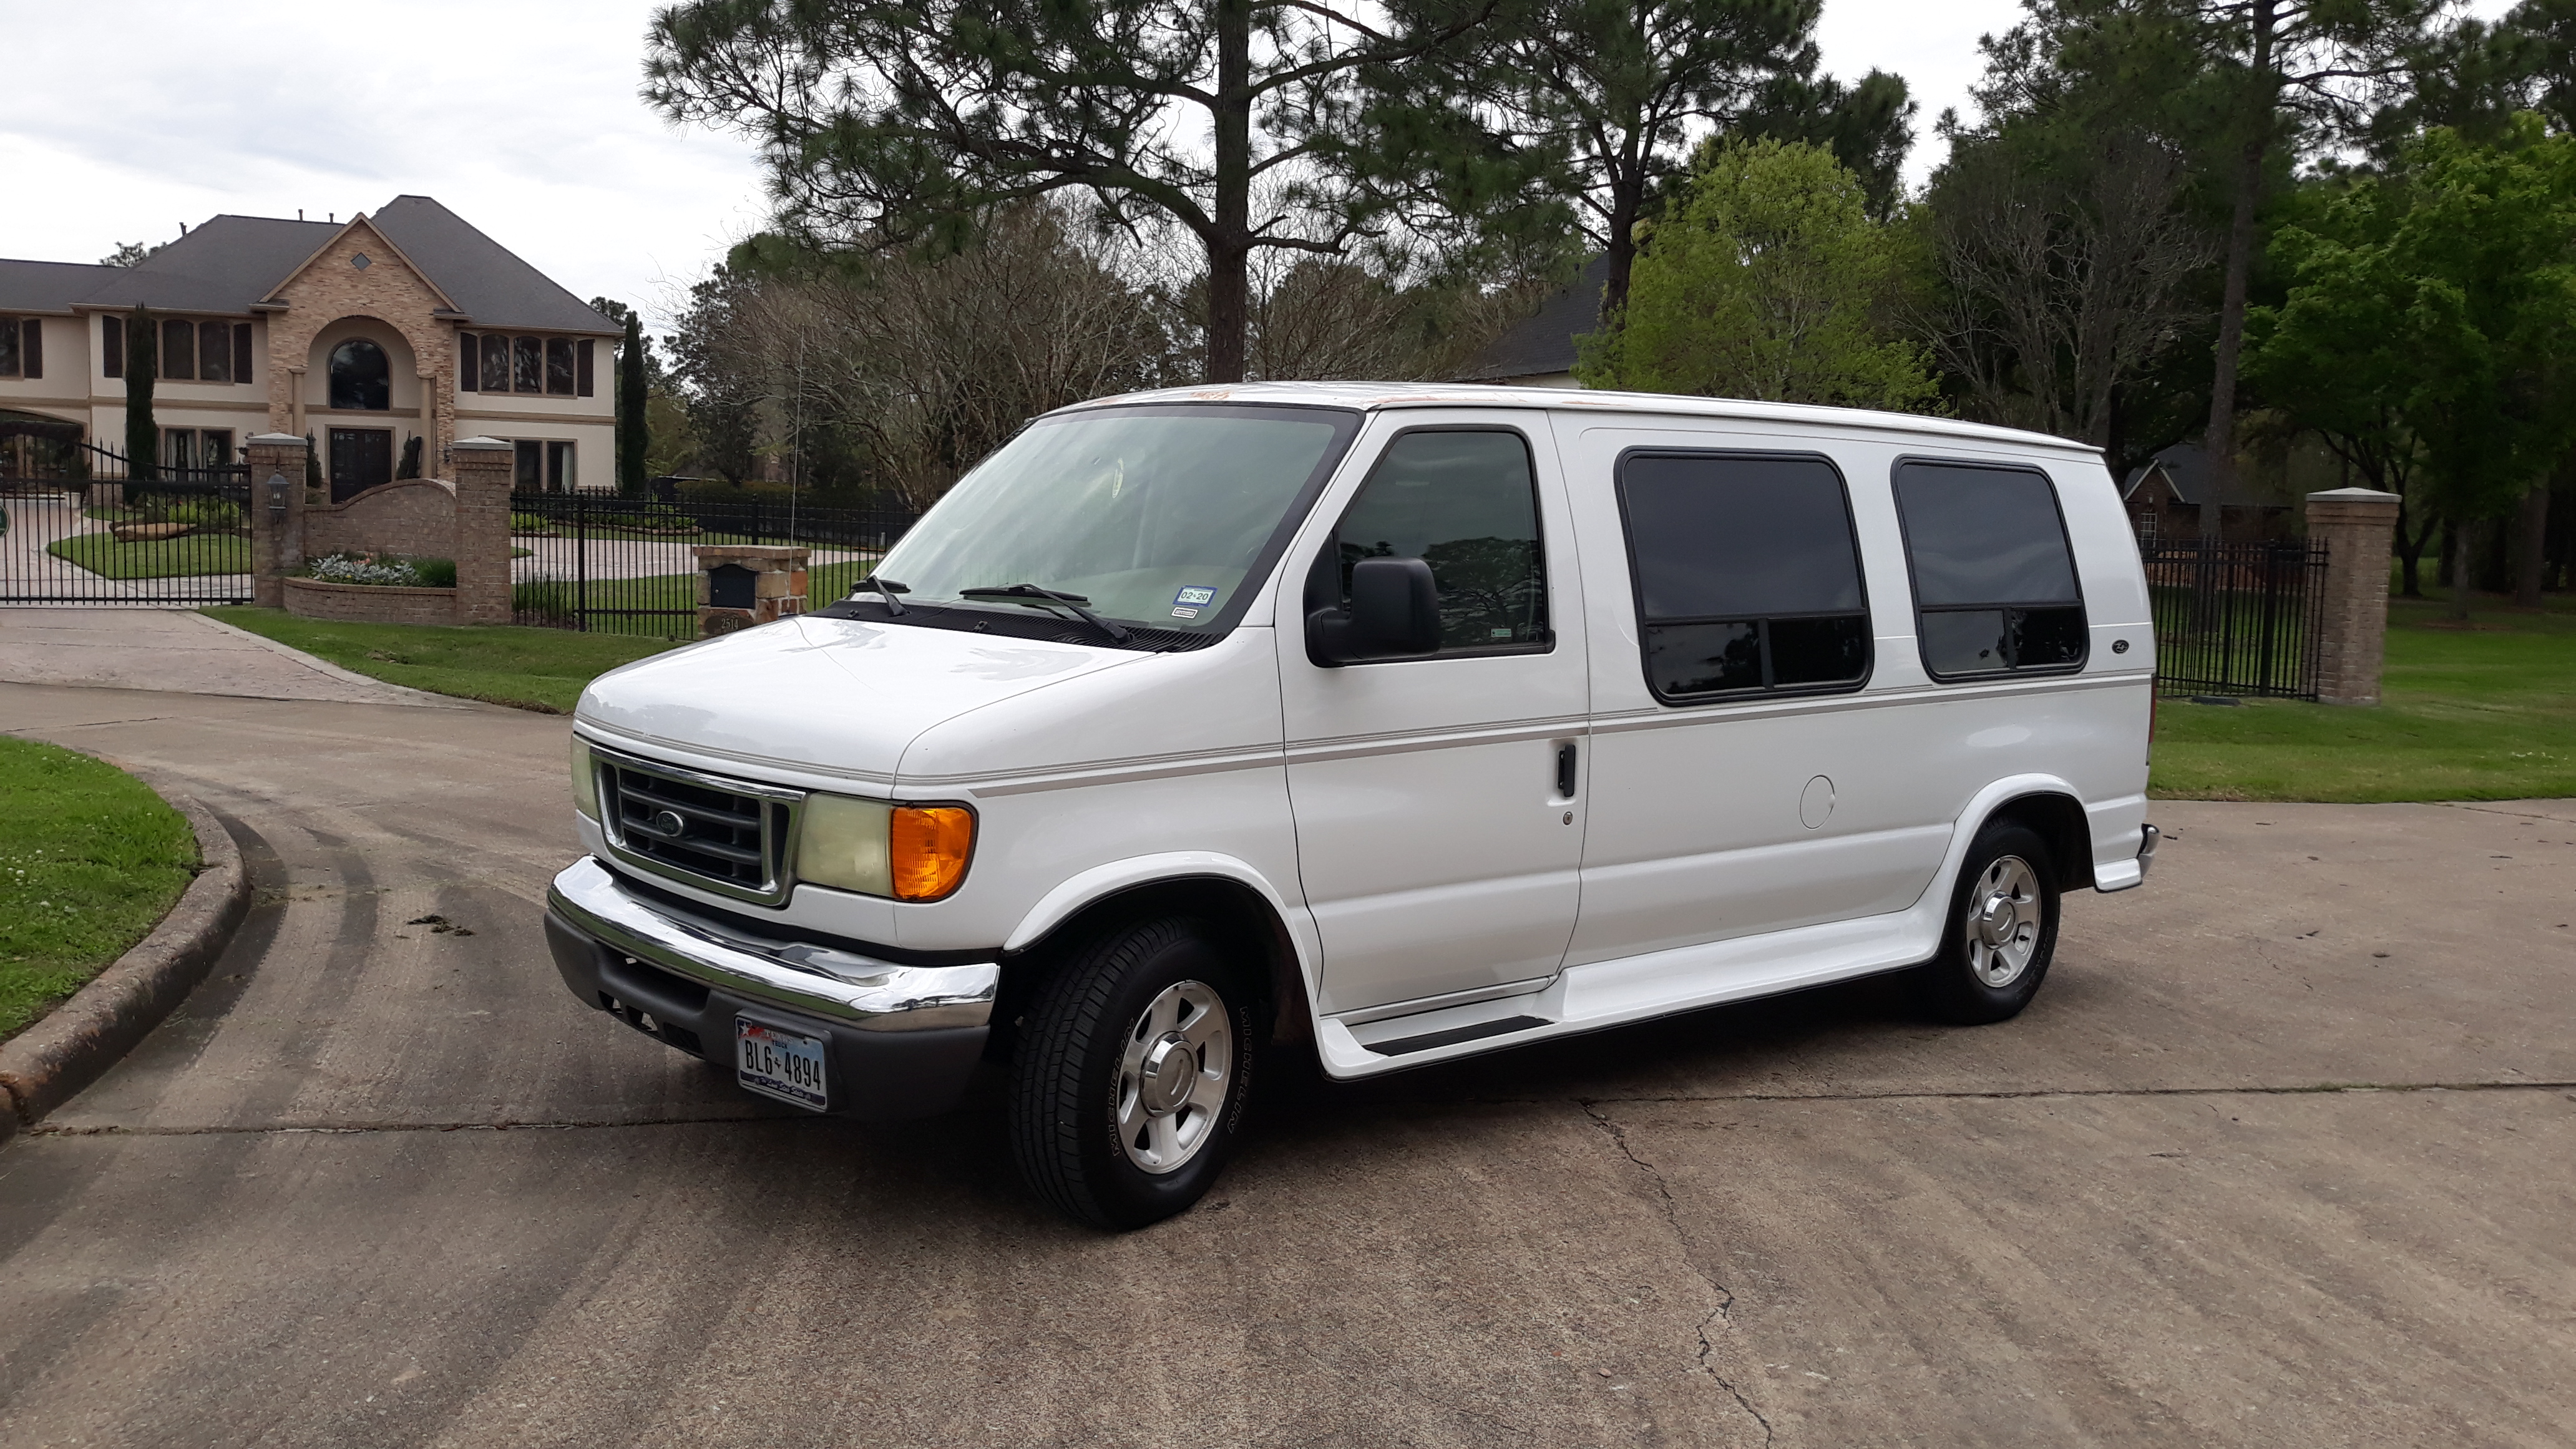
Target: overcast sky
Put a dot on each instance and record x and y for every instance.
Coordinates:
(128, 118)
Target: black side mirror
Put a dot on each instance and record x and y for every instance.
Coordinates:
(1395, 611)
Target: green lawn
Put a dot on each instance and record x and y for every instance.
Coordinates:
(162, 558)
(90, 860)
(539, 669)
(2485, 713)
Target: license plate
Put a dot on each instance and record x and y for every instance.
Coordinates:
(787, 1065)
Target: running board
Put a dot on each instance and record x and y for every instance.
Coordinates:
(1602, 994)
(1407, 1045)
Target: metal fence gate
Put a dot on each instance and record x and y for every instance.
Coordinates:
(81, 531)
(2236, 618)
(608, 564)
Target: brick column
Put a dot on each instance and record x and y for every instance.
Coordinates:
(2355, 525)
(483, 470)
(276, 514)
(741, 584)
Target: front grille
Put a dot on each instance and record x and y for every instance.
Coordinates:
(726, 835)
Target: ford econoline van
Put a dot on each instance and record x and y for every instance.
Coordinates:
(1390, 723)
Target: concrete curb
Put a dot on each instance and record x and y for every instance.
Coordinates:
(74, 1044)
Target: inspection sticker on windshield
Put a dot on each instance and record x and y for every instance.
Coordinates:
(1192, 598)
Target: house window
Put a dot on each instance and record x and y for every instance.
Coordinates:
(559, 372)
(178, 349)
(188, 449)
(496, 363)
(1994, 580)
(241, 352)
(21, 347)
(559, 476)
(585, 347)
(214, 352)
(1747, 574)
(542, 466)
(111, 349)
(527, 364)
(361, 381)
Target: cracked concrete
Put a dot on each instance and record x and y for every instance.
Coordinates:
(378, 1186)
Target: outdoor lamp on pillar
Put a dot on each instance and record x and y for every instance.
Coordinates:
(277, 494)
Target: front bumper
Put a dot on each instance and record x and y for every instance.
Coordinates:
(903, 1039)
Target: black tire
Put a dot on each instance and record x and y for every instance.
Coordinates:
(1071, 1078)
(1952, 985)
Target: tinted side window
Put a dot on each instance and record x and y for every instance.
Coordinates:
(1748, 575)
(1994, 580)
(1466, 503)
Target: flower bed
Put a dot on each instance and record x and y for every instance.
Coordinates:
(388, 570)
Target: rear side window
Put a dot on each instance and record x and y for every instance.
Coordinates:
(1748, 575)
(1994, 580)
(1465, 502)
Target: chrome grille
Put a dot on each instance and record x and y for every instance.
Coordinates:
(727, 836)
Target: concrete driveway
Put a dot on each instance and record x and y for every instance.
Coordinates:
(2282, 1156)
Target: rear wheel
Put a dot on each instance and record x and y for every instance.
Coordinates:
(2002, 929)
(1132, 1074)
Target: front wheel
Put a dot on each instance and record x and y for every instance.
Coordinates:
(2002, 929)
(1132, 1074)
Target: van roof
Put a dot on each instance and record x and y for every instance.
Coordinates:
(1373, 396)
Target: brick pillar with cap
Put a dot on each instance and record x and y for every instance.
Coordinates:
(484, 470)
(276, 471)
(2355, 525)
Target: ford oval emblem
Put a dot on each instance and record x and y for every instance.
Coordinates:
(668, 822)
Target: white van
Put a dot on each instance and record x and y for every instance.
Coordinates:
(1394, 723)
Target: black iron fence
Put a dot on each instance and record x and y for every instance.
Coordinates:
(2236, 618)
(616, 565)
(177, 542)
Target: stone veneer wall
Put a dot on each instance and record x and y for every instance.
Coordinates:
(331, 288)
(369, 603)
(414, 516)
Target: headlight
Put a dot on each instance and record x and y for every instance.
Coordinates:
(842, 844)
(909, 852)
(585, 780)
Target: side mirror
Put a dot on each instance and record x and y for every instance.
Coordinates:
(1395, 611)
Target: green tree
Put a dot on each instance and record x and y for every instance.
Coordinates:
(2444, 294)
(634, 438)
(1571, 117)
(910, 120)
(142, 364)
(1767, 280)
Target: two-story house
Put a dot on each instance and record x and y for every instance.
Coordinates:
(365, 334)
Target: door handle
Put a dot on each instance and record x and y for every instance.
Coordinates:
(1565, 770)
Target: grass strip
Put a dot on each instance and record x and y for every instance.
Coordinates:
(186, 556)
(534, 669)
(90, 861)
(2482, 713)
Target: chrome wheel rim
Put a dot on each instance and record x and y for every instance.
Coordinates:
(2002, 926)
(1173, 1076)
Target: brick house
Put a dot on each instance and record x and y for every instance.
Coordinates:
(2163, 496)
(365, 334)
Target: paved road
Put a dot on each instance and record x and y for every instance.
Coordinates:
(177, 650)
(384, 1186)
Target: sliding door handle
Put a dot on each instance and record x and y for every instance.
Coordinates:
(1565, 770)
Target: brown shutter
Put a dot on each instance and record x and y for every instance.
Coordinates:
(469, 361)
(111, 349)
(31, 348)
(241, 352)
(584, 367)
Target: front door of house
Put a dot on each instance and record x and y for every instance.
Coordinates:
(361, 458)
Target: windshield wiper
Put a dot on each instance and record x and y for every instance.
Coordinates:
(889, 588)
(1031, 593)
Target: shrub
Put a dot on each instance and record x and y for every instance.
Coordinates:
(548, 601)
(389, 569)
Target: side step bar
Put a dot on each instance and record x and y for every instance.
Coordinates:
(1475, 1031)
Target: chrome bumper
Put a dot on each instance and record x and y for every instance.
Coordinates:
(825, 981)
(2148, 835)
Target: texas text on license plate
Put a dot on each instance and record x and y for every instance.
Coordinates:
(778, 1063)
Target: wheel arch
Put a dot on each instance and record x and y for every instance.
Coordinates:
(2058, 818)
(1220, 890)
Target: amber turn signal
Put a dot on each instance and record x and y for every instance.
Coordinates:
(929, 846)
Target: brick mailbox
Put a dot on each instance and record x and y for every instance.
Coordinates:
(740, 585)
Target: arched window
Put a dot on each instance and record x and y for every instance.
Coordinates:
(359, 377)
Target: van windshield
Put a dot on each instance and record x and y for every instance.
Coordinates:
(1159, 516)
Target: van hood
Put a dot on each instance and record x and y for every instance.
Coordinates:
(838, 698)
